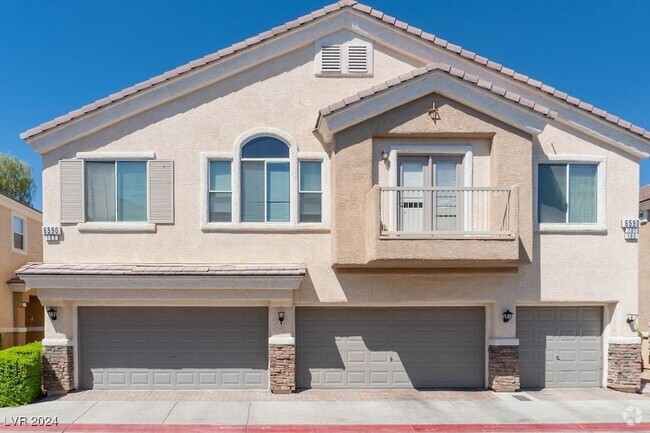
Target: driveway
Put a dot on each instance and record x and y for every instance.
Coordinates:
(334, 411)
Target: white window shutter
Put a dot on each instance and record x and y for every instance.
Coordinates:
(161, 192)
(72, 190)
(330, 60)
(357, 59)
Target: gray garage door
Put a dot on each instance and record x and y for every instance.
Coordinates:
(560, 347)
(390, 347)
(155, 347)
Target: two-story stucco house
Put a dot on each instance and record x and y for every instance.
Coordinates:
(21, 313)
(343, 201)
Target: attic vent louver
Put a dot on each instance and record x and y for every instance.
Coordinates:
(331, 58)
(357, 59)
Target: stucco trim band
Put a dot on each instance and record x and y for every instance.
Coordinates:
(113, 156)
(285, 341)
(624, 340)
(116, 227)
(57, 342)
(503, 342)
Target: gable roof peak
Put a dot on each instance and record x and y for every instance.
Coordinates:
(313, 16)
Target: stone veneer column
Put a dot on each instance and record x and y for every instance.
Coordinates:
(625, 364)
(503, 367)
(58, 369)
(282, 368)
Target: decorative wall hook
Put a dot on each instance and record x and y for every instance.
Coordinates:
(433, 113)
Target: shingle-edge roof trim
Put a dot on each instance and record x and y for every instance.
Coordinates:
(168, 270)
(443, 67)
(239, 46)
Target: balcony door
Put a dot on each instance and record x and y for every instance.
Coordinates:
(422, 208)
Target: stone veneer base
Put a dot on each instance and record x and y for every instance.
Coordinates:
(625, 365)
(58, 369)
(282, 368)
(503, 368)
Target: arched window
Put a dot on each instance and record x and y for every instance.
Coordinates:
(265, 181)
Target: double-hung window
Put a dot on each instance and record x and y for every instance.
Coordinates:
(220, 200)
(310, 191)
(18, 227)
(567, 193)
(115, 191)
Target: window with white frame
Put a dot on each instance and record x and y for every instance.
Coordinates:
(266, 183)
(567, 193)
(18, 227)
(115, 191)
(310, 190)
(220, 185)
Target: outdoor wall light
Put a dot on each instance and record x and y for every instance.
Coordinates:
(22, 304)
(631, 318)
(384, 155)
(281, 316)
(507, 315)
(51, 313)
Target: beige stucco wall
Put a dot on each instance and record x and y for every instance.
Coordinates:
(10, 260)
(579, 268)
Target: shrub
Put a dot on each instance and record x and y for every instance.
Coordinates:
(20, 374)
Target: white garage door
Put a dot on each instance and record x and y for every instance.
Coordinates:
(156, 347)
(390, 347)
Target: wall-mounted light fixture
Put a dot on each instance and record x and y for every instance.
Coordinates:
(507, 315)
(631, 318)
(51, 313)
(22, 304)
(384, 155)
(281, 316)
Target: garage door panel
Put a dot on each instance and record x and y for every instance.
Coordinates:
(390, 347)
(565, 349)
(127, 347)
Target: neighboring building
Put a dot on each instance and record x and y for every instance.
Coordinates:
(644, 271)
(21, 313)
(344, 201)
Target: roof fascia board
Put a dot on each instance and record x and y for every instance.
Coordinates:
(434, 82)
(165, 282)
(418, 48)
(187, 296)
(188, 83)
(20, 208)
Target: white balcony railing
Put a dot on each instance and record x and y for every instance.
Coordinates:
(476, 211)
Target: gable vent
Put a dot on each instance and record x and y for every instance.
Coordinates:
(357, 58)
(331, 58)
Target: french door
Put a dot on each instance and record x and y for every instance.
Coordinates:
(425, 203)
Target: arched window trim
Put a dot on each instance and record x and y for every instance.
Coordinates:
(244, 139)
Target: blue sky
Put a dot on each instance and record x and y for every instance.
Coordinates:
(56, 56)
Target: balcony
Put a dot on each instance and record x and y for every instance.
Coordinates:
(446, 212)
(473, 227)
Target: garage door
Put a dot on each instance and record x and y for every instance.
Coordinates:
(390, 347)
(151, 347)
(560, 347)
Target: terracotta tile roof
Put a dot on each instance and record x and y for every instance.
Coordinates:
(644, 193)
(314, 16)
(228, 270)
(432, 67)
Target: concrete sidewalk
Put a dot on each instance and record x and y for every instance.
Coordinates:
(390, 411)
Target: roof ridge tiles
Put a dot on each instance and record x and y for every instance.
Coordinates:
(332, 8)
(443, 67)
